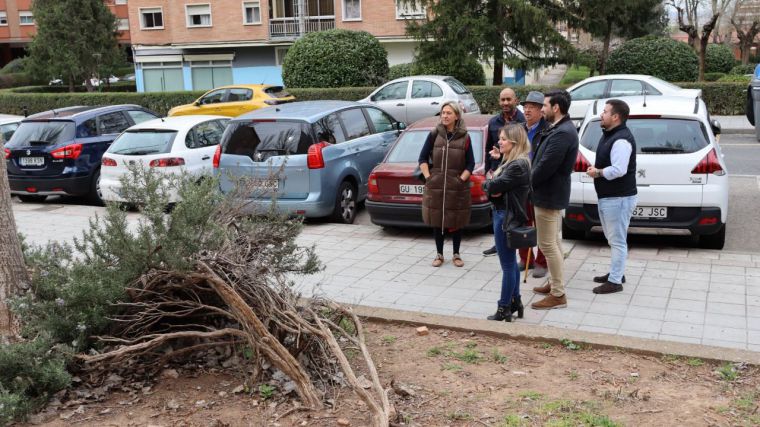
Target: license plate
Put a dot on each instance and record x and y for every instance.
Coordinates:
(31, 161)
(650, 212)
(265, 184)
(410, 189)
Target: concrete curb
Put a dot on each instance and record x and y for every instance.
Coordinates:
(737, 131)
(526, 332)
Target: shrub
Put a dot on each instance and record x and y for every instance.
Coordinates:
(118, 87)
(735, 78)
(713, 77)
(721, 98)
(335, 58)
(742, 69)
(17, 65)
(661, 57)
(159, 102)
(15, 80)
(465, 69)
(339, 93)
(719, 58)
(400, 70)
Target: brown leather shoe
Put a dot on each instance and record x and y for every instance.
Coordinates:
(550, 302)
(543, 290)
(457, 260)
(438, 261)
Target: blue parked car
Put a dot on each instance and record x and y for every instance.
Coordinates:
(315, 157)
(58, 152)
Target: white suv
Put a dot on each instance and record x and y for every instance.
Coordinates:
(680, 172)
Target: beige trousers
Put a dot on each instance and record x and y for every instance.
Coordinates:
(548, 223)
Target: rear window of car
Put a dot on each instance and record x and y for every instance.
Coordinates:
(261, 140)
(140, 142)
(656, 135)
(456, 85)
(408, 147)
(276, 92)
(42, 133)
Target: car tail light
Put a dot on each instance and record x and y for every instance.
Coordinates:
(579, 217)
(372, 188)
(581, 163)
(314, 157)
(217, 156)
(708, 220)
(709, 164)
(31, 189)
(7, 153)
(167, 162)
(476, 189)
(106, 161)
(68, 152)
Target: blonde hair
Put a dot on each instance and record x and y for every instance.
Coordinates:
(515, 132)
(459, 124)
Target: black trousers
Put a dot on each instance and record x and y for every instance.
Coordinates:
(439, 234)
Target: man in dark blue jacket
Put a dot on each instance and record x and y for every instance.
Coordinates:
(553, 162)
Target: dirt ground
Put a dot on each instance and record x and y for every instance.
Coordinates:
(459, 379)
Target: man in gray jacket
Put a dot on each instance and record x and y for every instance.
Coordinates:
(553, 161)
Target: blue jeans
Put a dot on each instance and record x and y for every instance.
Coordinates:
(510, 277)
(615, 215)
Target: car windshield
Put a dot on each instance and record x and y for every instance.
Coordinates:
(407, 149)
(456, 85)
(656, 135)
(142, 142)
(262, 139)
(42, 133)
(276, 92)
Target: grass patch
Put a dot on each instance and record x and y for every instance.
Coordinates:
(448, 366)
(575, 74)
(389, 339)
(728, 372)
(573, 375)
(266, 391)
(459, 416)
(434, 351)
(571, 345)
(513, 421)
(747, 402)
(530, 395)
(546, 346)
(498, 357)
(670, 358)
(469, 355)
(695, 362)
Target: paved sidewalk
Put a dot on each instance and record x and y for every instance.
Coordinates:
(735, 124)
(674, 294)
(682, 295)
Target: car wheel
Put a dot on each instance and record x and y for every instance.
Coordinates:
(571, 234)
(31, 199)
(713, 241)
(96, 195)
(345, 204)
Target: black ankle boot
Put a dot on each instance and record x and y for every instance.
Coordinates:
(502, 314)
(517, 306)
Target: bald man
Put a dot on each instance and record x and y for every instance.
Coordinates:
(508, 101)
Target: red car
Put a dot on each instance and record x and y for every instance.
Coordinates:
(395, 194)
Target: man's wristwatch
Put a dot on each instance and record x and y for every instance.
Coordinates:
(598, 173)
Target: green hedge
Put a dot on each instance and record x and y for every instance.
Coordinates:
(118, 87)
(722, 98)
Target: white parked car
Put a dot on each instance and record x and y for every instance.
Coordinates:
(171, 145)
(409, 99)
(681, 176)
(8, 125)
(585, 92)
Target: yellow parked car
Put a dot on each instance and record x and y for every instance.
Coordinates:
(235, 100)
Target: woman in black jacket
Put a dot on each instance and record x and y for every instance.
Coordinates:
(508, 189)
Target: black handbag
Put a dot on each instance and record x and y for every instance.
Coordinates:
(521, 237)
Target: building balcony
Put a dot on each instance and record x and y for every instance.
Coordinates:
(291, 28)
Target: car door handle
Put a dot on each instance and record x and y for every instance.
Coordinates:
(205, 157)
(399, 105)
(434, 103)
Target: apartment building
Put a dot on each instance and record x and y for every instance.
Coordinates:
(17, 26)
(197, 44)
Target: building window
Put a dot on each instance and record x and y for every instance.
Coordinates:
(251, 12)
(121, 1)
(123, 24)
(152, 18)
(406, 10)
(198, 15)
(279, 54)
(25, 18)
(352, 10)
(3, 18)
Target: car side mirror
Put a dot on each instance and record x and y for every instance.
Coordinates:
(400, 126)
(715, 125)
(197, 103)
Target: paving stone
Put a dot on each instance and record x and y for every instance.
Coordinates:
(753, 337)
(725, 308)
(727, 278)
(689, 295)
(729, 270)
(721, 343)
(715, 319)
(616, 298)
(753, 300)
(487, 295)
(638, 334)
(682, 329)
(426, 290)
(683, 304)
(696, 276)
(641, 325)
(410, 278)
(685, 316)
(647, 301)
(662, 265)
(677, 338)
(698, 267)
(600, 306)
(481, 307)
(416, 300)
(560, 325)
(597, 329)
(456, 293)
(564, 315)
(724, 333)
(602, 320)
(725, 297)
(444, 302)
(645, 312)
(652, 291)
(659, 274)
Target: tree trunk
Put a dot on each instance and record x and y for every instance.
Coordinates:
(605, 49)
(498, 65)
(13, 275)
(71, 83)
(704, 39)
(701, 54)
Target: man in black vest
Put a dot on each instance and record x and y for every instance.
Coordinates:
(614, 174)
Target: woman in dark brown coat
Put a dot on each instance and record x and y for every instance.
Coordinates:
(447, 161)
